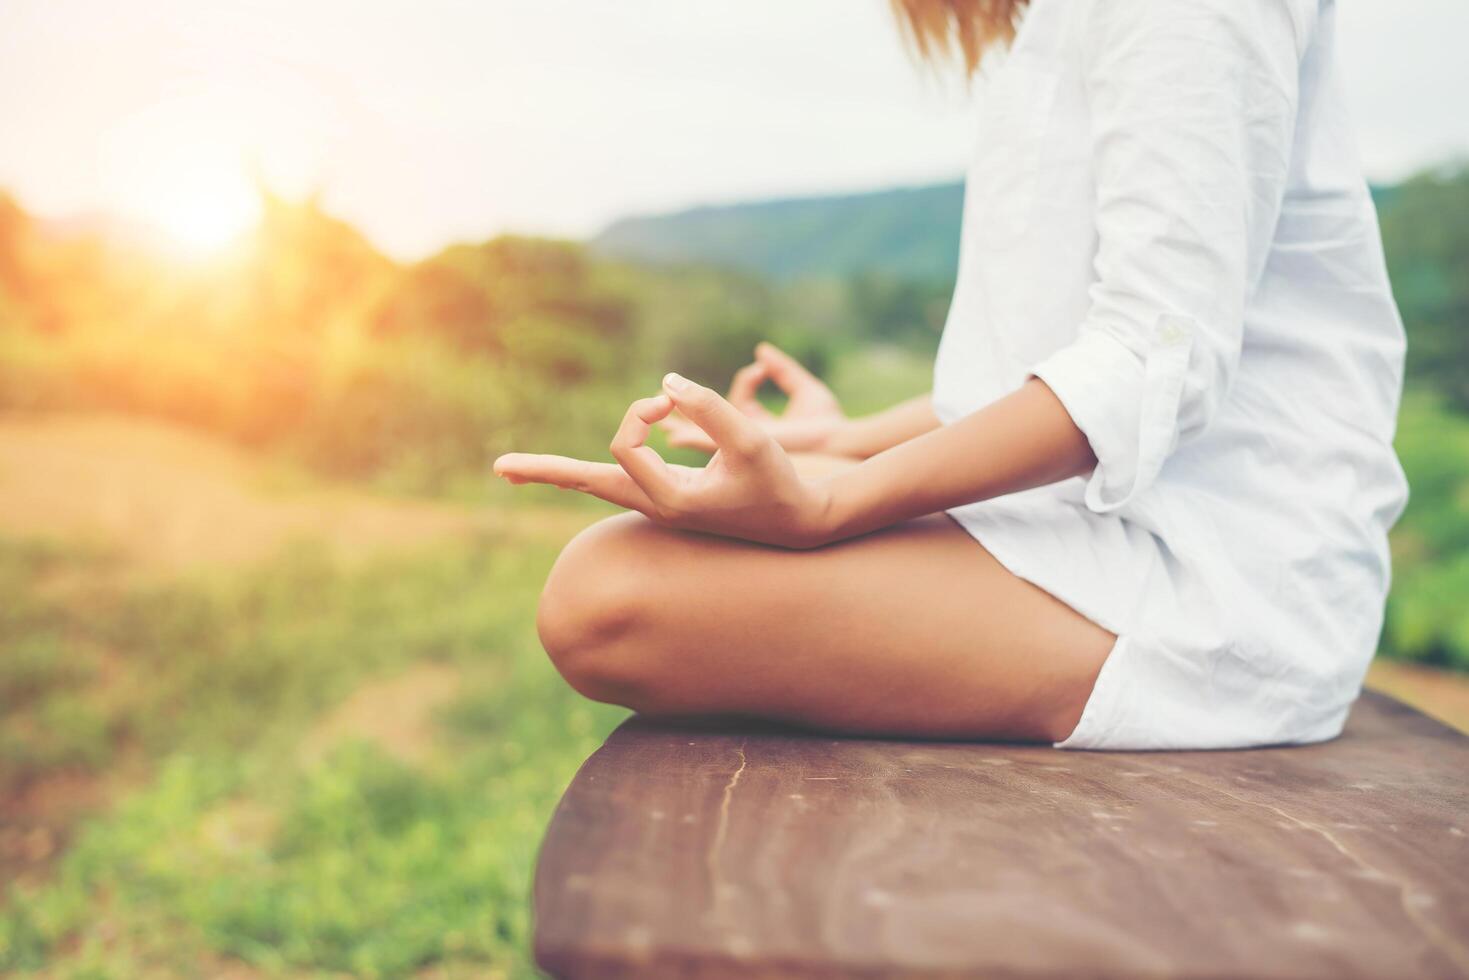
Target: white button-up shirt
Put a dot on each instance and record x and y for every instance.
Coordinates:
(1166, 221)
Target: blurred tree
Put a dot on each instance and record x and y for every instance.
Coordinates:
(309, 270)
(469, 295)
(1428, 617)
(903, 311)
(1425, 230)
(15, 237)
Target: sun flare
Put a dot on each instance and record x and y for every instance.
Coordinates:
(189, 184)
(203, 211)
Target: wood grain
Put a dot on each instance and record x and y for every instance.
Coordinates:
(681, 850)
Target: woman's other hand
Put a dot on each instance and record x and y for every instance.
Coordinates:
(812, 414)
(749, 489)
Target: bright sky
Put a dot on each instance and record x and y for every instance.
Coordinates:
(440, 120)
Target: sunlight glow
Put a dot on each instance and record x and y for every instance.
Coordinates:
(182, 168)
(204, 211)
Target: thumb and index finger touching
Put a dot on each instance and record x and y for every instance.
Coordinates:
(788, 373)
(770, 364)
(726, 426)
(730, 429)
(641, 479)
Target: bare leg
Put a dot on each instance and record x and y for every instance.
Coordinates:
(915, 630)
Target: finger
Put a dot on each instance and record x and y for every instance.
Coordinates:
(745, 386)
(696, 440)
(629, 446)
(732, 431)
(783, 369)
(675, 423)
(604, 480)
(683, 434)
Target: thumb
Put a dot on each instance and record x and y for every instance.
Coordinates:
(731, 430)
(787, 372)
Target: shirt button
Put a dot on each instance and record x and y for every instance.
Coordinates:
(1169, 332)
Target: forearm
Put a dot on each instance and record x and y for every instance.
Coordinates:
(1023, 440)
(865, 437)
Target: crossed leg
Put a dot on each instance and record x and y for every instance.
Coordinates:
(915, 630)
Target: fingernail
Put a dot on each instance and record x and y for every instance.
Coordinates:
(675, 382)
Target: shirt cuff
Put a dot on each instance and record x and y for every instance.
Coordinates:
(1125, 404)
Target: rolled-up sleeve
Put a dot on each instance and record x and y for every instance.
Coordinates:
(1193, 109)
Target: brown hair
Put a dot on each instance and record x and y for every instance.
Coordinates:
(939, 29)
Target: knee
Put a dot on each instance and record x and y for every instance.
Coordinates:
(594, 609)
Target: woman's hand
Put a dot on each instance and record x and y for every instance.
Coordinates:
(749, 489)
(811, 417)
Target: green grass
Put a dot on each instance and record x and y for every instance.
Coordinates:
(229, 848)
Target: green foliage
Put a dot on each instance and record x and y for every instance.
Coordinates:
(526, 298)
(310, 344)
(888, 309)
(1428, 615)
(874, 377)
(235, 846)
(1425, 229)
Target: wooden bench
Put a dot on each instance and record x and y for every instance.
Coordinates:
(688, 851)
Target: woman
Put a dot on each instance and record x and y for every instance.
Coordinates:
(1147, 503)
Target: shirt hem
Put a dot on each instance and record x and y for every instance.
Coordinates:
(1094, 723)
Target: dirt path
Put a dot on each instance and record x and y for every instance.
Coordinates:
(172, 499)
(1440, 693)
(395, 712)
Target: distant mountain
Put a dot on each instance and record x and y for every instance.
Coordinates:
(910, 232)
(907, 233)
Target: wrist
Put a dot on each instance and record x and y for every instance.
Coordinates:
(807, 525)
(829, 520)
(843, 440)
